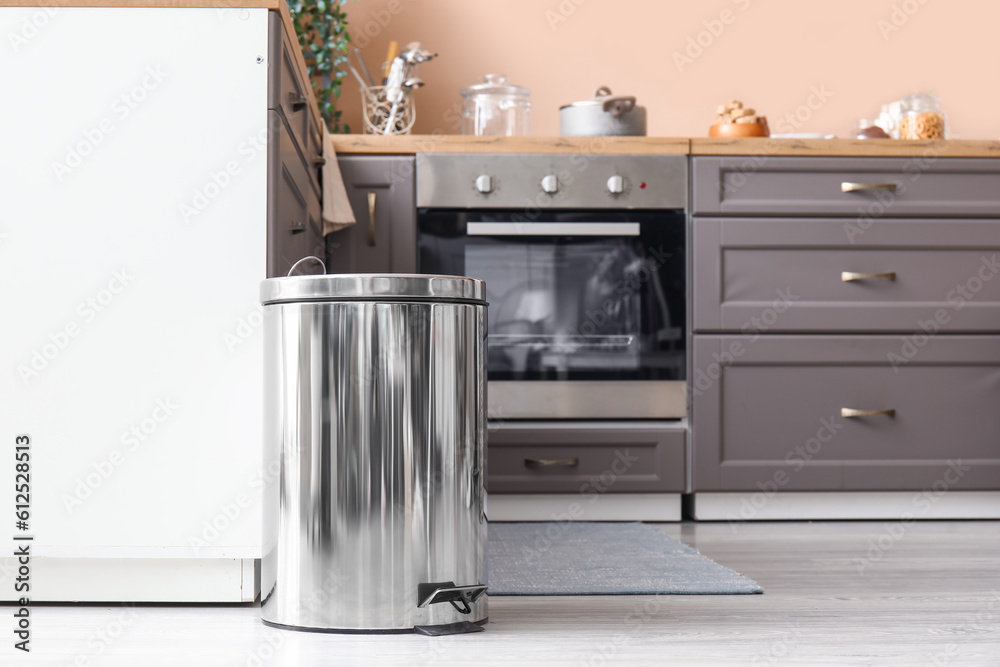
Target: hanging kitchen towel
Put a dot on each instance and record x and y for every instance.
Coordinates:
(337, 212)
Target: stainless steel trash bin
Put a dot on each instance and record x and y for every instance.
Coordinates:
(375, 428)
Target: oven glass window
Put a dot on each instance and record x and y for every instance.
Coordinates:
(582, 295)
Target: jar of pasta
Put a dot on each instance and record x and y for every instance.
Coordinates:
(922, 118)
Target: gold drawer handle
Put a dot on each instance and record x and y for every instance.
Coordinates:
(371, 218)
(850, 276)
(857, 187)
(551, 463)
(850, 413)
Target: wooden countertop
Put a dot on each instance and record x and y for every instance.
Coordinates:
(362, 144)
(845, 147)
(453, 143)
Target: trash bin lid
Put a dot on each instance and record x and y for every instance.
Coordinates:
(373, 287)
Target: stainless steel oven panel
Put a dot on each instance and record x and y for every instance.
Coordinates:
(552, 229)
(626, 399)
(588, 181)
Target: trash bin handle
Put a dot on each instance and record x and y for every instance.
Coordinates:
(307, 257)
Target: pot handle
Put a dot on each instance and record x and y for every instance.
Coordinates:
(616, 105)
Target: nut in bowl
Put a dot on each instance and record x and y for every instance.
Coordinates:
(734, 120)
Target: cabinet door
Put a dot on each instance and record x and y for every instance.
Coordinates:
(384, 240)
(294, 213)
(287, 94)
(846, 413)
(779, 275)
(867, 189)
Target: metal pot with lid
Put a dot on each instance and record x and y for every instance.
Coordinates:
(603, 115)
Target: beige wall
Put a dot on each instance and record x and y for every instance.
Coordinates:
(772, 54)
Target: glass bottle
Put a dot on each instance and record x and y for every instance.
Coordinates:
(922, 118)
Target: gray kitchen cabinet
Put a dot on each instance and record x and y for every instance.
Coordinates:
(384, 239)
(286, 93)
(294, 206)
(587, 457)
(886, 268)
(294, 221)
(875, 187)
(899, 273)
(780, 412)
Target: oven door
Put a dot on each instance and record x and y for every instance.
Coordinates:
(587, 308)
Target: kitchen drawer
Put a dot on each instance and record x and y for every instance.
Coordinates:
(787, 275)
(767, 413)
(587, 457)
(384, 240)
(755, 185)
(286, 91)
(294, 224)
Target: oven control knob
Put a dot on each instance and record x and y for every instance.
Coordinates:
(484, 184)
(616, 185)
(550, 184)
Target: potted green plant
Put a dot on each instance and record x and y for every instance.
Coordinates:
(321, 26)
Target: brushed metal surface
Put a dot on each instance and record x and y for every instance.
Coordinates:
(626, 399)
(593, 121)
(373, 287)
(374, 462)
(649, 181)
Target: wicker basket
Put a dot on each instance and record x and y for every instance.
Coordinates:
(377, 110)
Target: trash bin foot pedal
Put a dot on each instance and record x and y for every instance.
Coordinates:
(460, 597)
(459, 628)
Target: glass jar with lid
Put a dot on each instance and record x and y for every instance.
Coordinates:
(496, 108)
(922, 118)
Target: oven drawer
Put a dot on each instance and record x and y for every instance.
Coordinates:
(923, 186)
(294, 223)
(791, 275)
(777, 412)
(586, 457)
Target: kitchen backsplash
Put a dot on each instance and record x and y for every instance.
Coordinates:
(808, 66)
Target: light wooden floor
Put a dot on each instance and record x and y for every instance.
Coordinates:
(928, 596)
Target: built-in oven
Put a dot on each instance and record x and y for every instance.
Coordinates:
(584, 262)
